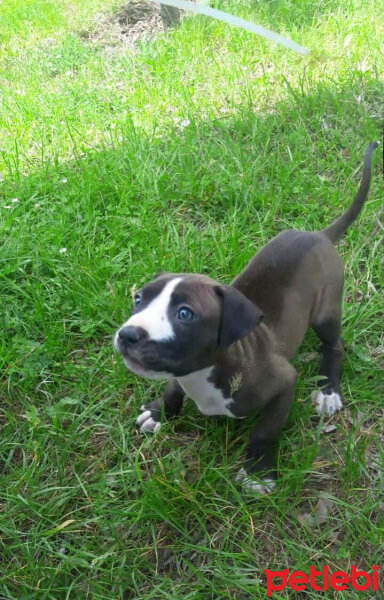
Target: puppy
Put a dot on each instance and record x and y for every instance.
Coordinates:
(228, 347)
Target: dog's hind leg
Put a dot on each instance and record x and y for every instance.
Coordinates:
(328, 399)
(170, 405)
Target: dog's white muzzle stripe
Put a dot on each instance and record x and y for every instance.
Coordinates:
(154, 318)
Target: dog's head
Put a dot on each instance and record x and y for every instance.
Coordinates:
(181, 323)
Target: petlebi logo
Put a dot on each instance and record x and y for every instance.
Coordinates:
(322, 580)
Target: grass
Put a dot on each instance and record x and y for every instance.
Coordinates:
(186, 152)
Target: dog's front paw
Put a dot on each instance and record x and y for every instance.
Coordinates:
(260, 486)
(327, 403)
(147, 421)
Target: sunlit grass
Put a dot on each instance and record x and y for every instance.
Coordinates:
(185, 153)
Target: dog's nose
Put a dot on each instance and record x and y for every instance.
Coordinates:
(132, 335)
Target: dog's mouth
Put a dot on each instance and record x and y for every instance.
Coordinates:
(135, 364)
(136, 367)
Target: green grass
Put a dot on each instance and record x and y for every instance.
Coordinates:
(96, 150)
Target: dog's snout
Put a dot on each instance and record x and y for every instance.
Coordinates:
(132, 335)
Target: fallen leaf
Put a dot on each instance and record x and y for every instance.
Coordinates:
(328, 428)
(355, 419)
(323, 507)
(59, 527)
(307, 357)
(306, 519)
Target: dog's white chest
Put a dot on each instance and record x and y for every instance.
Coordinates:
(209, 399)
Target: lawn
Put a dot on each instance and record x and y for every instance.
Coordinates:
(182, 151)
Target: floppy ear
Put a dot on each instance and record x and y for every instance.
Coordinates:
(160, 274)
(239, 316)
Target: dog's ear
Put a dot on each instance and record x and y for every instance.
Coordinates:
(160, 274)
(239, 316)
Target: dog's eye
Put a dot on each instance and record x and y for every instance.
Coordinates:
(136, 299)
(185, 314)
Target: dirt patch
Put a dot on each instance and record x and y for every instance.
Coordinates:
(133, 22)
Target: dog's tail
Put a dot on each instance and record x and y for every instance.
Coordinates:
(336, 230)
